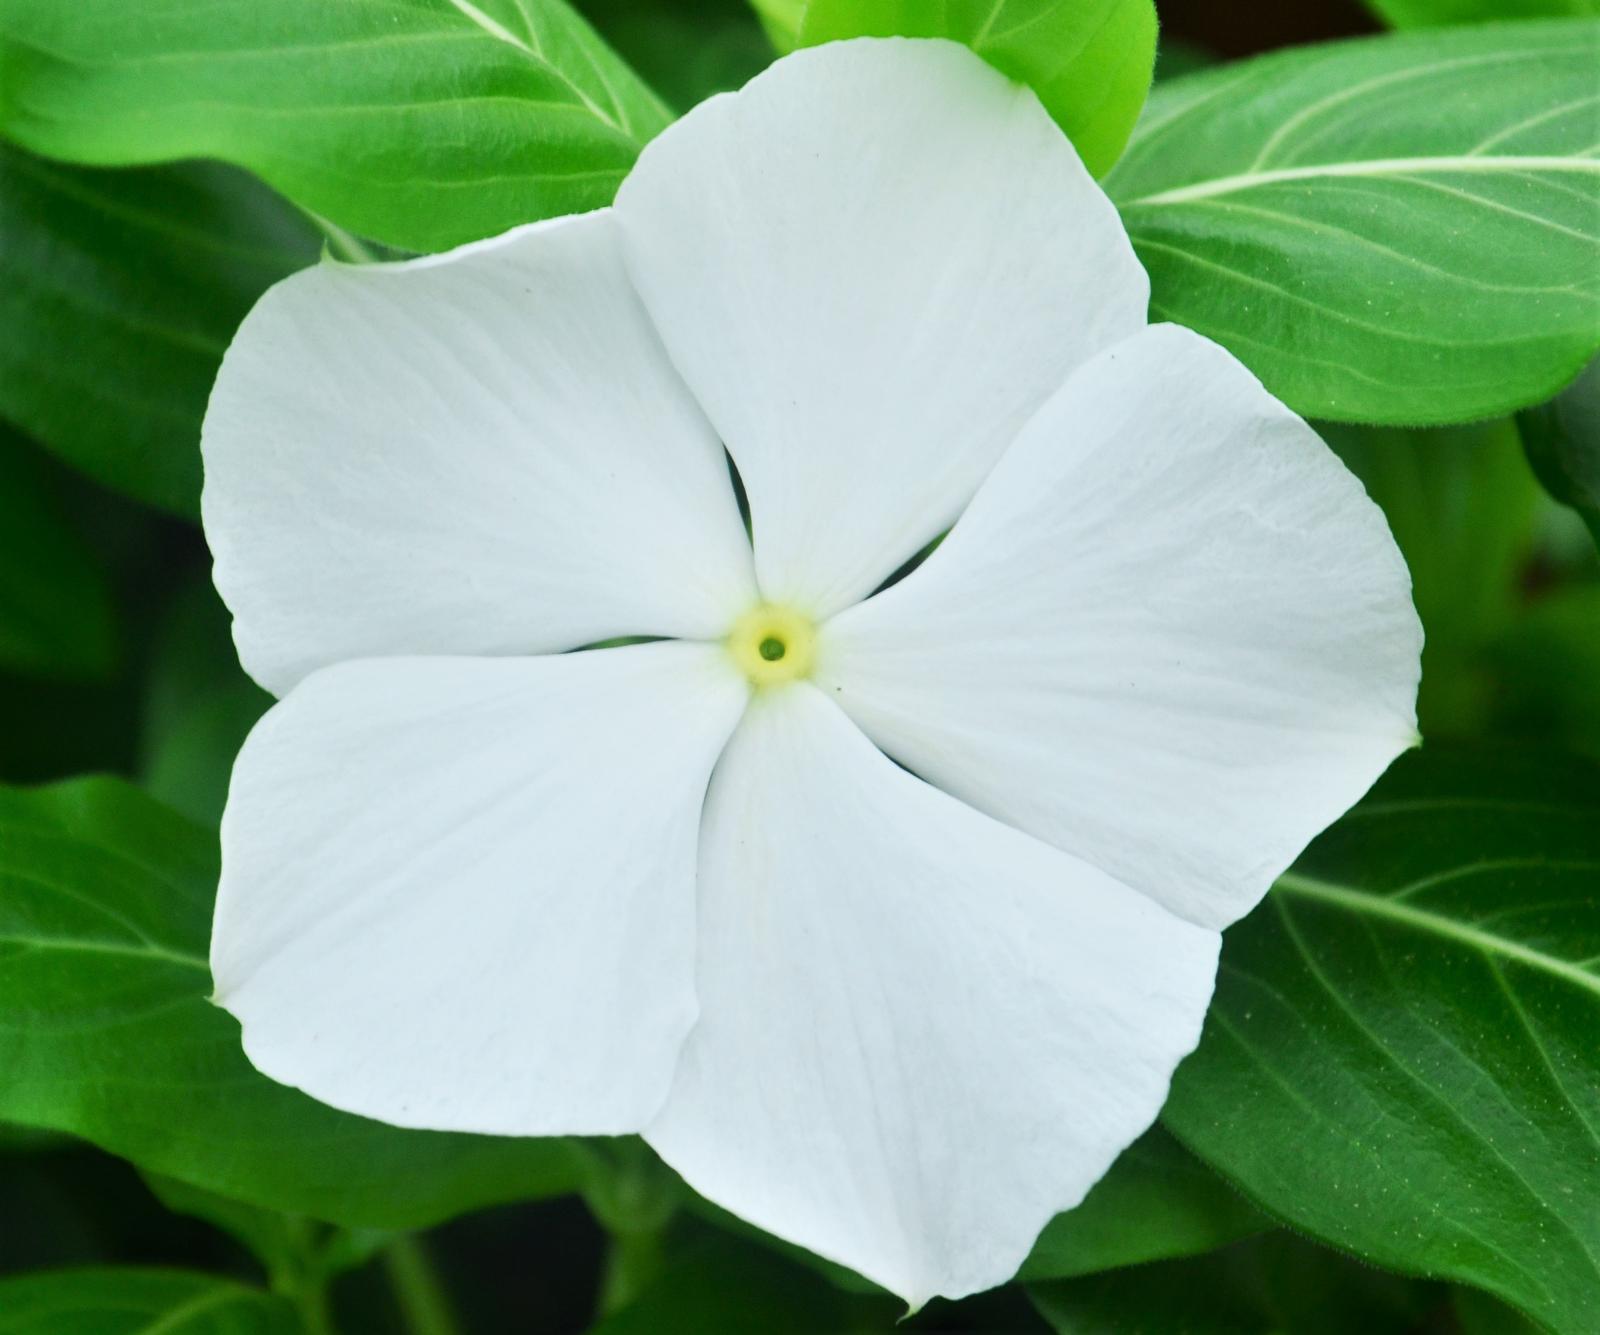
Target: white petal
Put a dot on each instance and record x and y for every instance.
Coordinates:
(871, 265)
(482, 452)
(922, 1033)
(1171, 635)
(459, 893)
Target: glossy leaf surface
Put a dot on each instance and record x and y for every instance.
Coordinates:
(419, 123)
(1400, 1059)
(1400, 229)
(119, 291)
(1273, 1285)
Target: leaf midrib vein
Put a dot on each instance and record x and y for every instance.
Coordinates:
(534, 49)
(180, 1316)
(1261, 1058)
(95, 946)
(1556, 1080)
(1442, 163)
(1424, 1086)
(1141, 241)
(1357, 901)
(1277, 217)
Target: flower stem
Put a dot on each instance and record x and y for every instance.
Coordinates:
(418, 1290)
(633, 1196)
(633, 1260)
(311, 1302)
(296, 1274)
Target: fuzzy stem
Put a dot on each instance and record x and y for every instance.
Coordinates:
(418, 1291)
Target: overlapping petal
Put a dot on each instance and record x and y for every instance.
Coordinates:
(922, 1032)
(1171, 635)
(483, 452)
(871, 265)
(1167, 641)
(459, 893)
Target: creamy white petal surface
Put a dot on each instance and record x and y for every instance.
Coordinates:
(899, 1018)
(460, 893)
(871, 265)
(922, 1033)
(1171, 635)
(483, 452)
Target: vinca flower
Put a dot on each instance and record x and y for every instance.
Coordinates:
(883, 909)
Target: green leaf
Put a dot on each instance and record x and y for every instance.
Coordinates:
(1398, 229)
(118, 293)
(138, 1302)
(199, 706)
(1088, 60)
(28, 1140)
(1400, 1059)
(1463, 506)
(1562, 438)
(1157, 1201)
(1439, 13)
(106, 1031)
(55, 603)
(188, 765)
(1269, 1286)
(685, 52)
(781, 21)
(1478, 1314)
(420, 123)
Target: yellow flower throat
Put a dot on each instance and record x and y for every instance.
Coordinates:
(773, 645)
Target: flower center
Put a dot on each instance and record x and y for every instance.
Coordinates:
(773, 645)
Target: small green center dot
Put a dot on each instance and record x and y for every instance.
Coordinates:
(773, 645)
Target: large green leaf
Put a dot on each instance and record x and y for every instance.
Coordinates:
(106, 1031)
(138, 1302)
(1397, 229)
(420, 123)
(1088, 60)
(55, 603)
(1401, 1058)
(1463, 506)
(1438, 13)
(1274, 1285)
(686, 49)
(28, 1140)
(118, 293)
(1479, 1314)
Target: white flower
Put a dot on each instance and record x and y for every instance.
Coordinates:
(474, 881)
